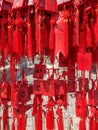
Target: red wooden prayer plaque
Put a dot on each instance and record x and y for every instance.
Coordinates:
(84, 61)
(39, 71)
(23, 92)
(60, 87)
(49, 88)
(38, 87)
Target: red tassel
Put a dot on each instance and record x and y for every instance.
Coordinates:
(52, 34)
(90, 123)
(60, 119)
(82, 124)
(5, 117)
(14, 91)
(91, 100)
(77, 28)
(3, 41)
(50, 115)
(38, 119)
(21, 122)
(16, 40)
(52, 57)
(94, 127)
(82, 36)
(88, 36)
(41, 33)
(52, 39)
(10, 36)
(39, 20)
(37, 31)
(19, 36)
(96, 119)
(29, 40)
(96, 28)
(34, 111)
(19, 126)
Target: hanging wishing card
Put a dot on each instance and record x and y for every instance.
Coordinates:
(59, 87)
(39, 71)
(62, 34)
(18, 3)
(84, 61)
(49, 88)
(51, 5)
(38, 87)
(23, 92)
